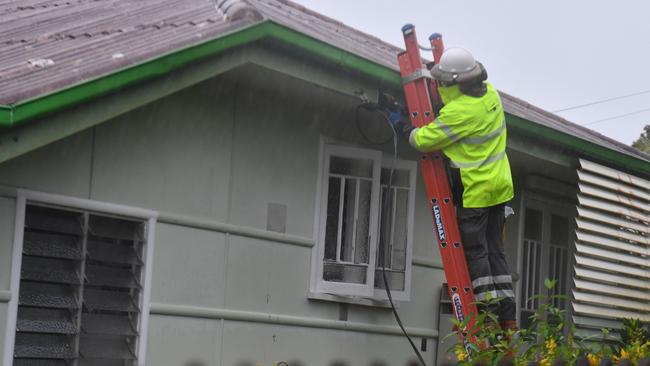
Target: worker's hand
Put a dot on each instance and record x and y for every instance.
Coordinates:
(403, 129)
(394, 116)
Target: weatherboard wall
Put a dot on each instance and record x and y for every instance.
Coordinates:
(221, 153)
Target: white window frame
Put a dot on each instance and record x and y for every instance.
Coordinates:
(411, 166)
(318, 285)
(25, 197)
(342, 288)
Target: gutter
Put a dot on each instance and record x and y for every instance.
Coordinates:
(24, 111)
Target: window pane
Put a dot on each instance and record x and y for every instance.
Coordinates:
(350, 166)
(34, 345)
(347, 228)
(400, 231)
(385, 229)
(400, 177)
(395, 280)
(335, 272)
(43, 320)
(533, 225)
(332, 224)
(559, 230)
(363, 223)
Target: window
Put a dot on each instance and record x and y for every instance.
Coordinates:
(545, 254)
(365, 230)
(81, 296)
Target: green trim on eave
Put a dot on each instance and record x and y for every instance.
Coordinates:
(11, 115)
(584, 146)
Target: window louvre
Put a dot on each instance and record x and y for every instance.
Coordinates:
(80, 289)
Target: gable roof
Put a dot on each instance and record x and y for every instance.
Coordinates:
(54, 53)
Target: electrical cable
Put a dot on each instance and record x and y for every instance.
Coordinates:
(616, 117)
(602, 101)
(384, 229)
(357, 120)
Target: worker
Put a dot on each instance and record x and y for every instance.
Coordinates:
(470, 131)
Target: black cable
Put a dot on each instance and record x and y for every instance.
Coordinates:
(385, 236)
(601, 101)
(370, 108)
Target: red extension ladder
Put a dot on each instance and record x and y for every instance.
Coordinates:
(420, 92)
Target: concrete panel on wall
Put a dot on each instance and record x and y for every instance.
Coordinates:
(62, 167)
(189, 267)
(275, 160)
(263, 344)
(271, 277)
(172, 155)
(7, 222)
(3, 325)
(177, 341)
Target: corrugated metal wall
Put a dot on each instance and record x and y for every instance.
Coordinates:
(612, 268)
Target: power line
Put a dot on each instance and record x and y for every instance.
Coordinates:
(602, 101)
(616, 117)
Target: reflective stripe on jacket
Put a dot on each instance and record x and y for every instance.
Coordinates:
(471, 132)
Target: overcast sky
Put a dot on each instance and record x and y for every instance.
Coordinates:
(551, 53)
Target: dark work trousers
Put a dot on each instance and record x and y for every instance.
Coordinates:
(481, 230)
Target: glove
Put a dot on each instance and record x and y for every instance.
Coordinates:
(403, 129)
(394, 117)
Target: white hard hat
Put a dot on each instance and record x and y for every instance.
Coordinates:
(456, 65)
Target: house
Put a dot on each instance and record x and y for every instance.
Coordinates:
(190, 182)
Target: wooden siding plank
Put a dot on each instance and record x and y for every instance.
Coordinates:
(612, 290)
(634, 192)
(613, 301)
(613, 267)
(614, 233)
(609, 255)
(614, 174)
(589, 309)
(613, 208)
(616, 245)
(598, 192)
(612, 278)
(613, 220)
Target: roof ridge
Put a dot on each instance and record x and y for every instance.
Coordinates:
(237, 9)
(333, 21)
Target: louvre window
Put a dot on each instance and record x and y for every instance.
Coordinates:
(80, 294)
(365, 223)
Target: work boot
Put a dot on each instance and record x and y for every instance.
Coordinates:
(509, 325)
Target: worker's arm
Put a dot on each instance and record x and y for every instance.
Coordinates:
(445, 130)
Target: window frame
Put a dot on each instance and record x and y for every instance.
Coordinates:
(547, 207)
(411, 167)
(343, 288)
(26, 197)
(368, 290)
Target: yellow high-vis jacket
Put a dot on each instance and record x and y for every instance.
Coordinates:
(471, 132)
